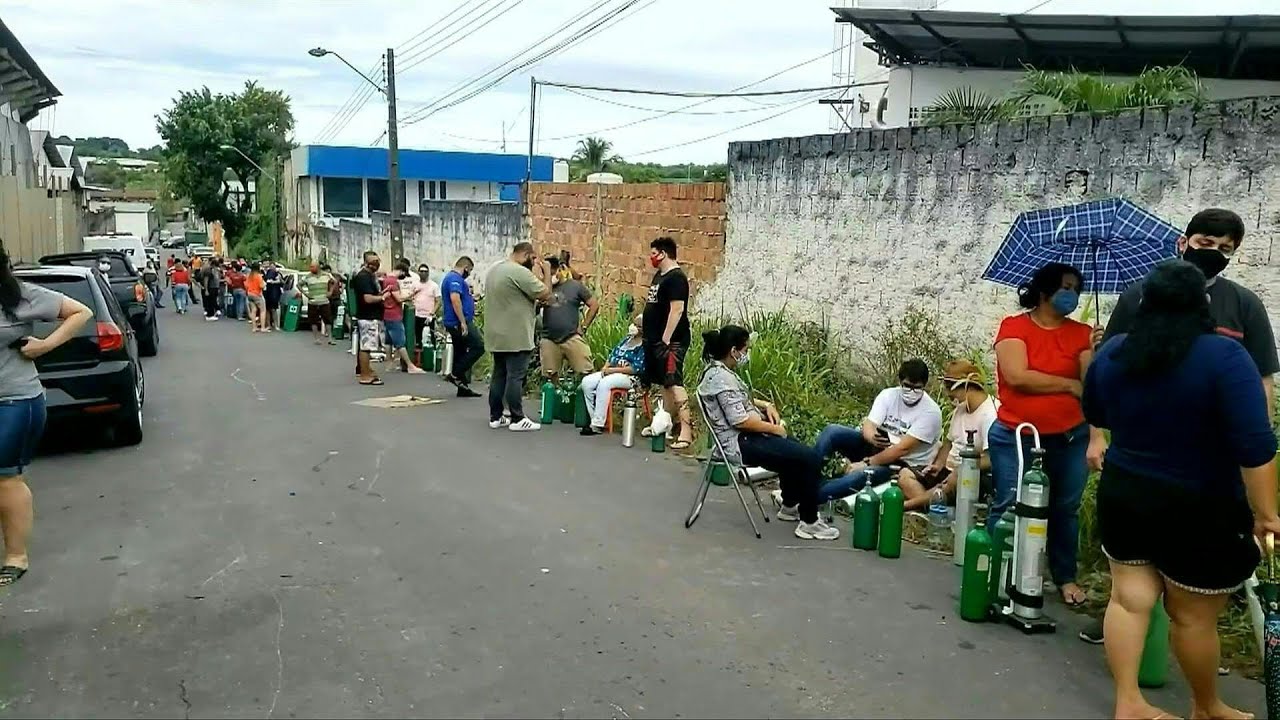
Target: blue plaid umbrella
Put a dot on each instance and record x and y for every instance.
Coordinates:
(1113, 242)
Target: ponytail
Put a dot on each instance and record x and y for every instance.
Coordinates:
(716, 344)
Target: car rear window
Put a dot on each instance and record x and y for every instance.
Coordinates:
(119, 268)
(71, 286)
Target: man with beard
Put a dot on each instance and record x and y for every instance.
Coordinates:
(512, 294)
(1212, 238)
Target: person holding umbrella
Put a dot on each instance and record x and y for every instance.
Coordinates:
(1041, 357)
(1192, 448)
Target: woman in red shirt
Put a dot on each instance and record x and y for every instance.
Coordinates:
(181, 287)
(1041, 358)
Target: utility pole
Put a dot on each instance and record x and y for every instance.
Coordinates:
(533, 101)
(393, 157)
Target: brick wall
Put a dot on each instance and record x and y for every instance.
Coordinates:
(856, 227)
(607, 229)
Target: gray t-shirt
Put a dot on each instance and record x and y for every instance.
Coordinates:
(18, 377)
(728, 403)
(560, 318)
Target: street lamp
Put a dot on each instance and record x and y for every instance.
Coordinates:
(279, 209)
(394, 191)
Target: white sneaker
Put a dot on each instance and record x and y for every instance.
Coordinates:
(818, 530)
(789, 514)
(525, 425)
(502, 422)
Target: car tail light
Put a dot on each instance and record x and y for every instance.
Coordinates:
(139, 292)
(109, 337)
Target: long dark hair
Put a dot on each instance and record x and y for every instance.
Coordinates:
(717, 344)
(10, 288)
(1046, 282)
(1174, 312)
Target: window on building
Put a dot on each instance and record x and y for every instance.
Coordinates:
(431, 190)
(343, 197)
(443, 195)
(379, 198)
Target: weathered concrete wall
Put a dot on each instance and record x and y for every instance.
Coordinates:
(607, 229)
(444, 232)
(33, 223)
(859, 226)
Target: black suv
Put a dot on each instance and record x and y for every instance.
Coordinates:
(130, 291)
(97, 373)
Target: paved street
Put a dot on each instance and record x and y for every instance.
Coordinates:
(272, 550)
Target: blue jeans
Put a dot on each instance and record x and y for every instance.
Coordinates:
(240, 303)
(180, 297)
(848, 441)
(21, 427)
(1064, 464)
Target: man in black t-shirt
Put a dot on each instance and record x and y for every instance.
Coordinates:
(1212, 237)
(666, 334)
(369, 308)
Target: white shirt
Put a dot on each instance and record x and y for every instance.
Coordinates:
(922, 421)
(962, 421)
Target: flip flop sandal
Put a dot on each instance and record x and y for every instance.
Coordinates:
(681, 444)
(10, 574)
(375, 381)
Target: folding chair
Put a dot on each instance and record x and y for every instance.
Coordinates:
(738, 476)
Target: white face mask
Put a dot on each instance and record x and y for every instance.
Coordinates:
(745, 357)
(104, 267)
(632, 329)
(911, 396)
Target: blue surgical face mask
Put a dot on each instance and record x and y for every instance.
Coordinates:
(1065, 301)
(744, 357)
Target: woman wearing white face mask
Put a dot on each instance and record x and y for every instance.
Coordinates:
(625, 364)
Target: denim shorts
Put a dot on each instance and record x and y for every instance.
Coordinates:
(21, 427)
(395, 333)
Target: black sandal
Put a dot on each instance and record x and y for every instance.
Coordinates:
(10, 574)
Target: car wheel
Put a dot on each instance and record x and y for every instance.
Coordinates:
(150, 345)
(128, 427)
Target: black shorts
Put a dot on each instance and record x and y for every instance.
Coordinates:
(317, 314)
(664, 365)
(1200, 543)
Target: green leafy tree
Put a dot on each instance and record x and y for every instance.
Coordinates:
(593, 155)
(1042, 92)
(107, 174)
(197, 130)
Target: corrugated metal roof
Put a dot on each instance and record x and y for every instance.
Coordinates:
(20, 74)
(1236, 46)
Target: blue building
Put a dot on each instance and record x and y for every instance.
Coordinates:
(331, 182)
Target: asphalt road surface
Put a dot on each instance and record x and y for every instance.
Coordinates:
(272, 550)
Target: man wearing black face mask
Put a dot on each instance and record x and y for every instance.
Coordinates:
(460, 322)
(1212, 237)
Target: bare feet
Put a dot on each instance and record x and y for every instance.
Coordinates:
(1219, 711)
(1142, 711)
(1073, 595)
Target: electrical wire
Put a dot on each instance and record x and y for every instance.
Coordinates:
(427, 53)
(406, 47)
(799, 105)
(760, 107)
(594, 26)
(678, 93)
(461, 87)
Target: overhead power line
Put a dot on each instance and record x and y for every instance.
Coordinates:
(408, 46)
(453, 98)
(678, 93)
(427, 52)
(761, 107)
(801, 104)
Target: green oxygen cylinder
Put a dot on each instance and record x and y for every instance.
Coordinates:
(1153, 670)
(975, 588)
(1001, 558)
(866, 519)
(564, 407)
(548, 401)
(892, 508)
(581, 418)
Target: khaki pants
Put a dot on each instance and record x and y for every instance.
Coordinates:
(575, 350)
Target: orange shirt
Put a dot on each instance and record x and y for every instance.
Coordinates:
(1053, 352)
(254, 284)
(196, 262)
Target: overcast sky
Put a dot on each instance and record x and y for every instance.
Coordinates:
(120, 63)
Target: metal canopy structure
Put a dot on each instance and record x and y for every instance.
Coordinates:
(22, 83)
(1239, 46)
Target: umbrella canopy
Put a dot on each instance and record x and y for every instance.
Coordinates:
(1113, 243)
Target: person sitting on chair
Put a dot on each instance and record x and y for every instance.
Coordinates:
(751, 432)
(975, 410)
(904, 428)
(625, 364)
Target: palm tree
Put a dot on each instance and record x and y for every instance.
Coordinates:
(1042, 92)
(592, 156)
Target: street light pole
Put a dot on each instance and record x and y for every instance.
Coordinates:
(394, 191)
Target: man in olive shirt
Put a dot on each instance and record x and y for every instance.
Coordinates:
(512, 292)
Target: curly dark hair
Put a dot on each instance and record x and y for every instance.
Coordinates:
(1173, 313)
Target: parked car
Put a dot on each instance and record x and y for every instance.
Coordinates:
(96, 374)
(153, 254)
(129, 290)
(172, 243)
(204, 251)
(128, 243)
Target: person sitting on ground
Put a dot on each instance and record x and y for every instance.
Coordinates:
(563, 323)
(904, 429)
(752, 434)
(1188, 485)
(974, 412)
(620, 371)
